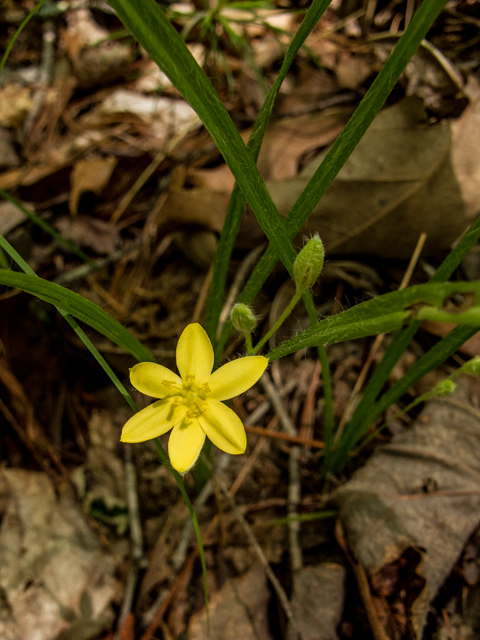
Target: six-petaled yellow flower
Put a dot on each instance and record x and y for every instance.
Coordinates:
(191, 405)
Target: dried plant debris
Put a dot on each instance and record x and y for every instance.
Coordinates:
(317, 601)
(237, 612)
(55, 577)
(414, 505)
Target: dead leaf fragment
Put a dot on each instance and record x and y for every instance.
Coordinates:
(89, 175)
(10, 217)
(8, 155)
(237, 612)
(86, 231)
(398, 183)
(317, 602)
(54, 575)
(15, 103)
(420, 492)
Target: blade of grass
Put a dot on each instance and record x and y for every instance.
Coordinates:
(381, 315)
(18, 32)
(237, 201)
(77, 306)
(50, 230)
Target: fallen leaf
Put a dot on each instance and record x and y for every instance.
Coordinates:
(420, 493)
(405, 177)
(237, 612)
(10, 217)
(89, 175)
(8, 155)
(441, 329)
(15, 103)
(317, 601)
(86, 231)
(54, 574)
(96, 59)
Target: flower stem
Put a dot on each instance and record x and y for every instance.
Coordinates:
(162, 454)
(298, 294)
(248, 342)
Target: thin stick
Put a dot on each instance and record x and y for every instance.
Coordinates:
(278, 435)
(202, 298)
(149, 171)
(294, 487)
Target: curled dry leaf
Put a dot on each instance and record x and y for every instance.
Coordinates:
(420, 493)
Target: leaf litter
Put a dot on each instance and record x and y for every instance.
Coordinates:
(74, 148)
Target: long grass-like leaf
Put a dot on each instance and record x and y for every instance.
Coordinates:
(80, 308)
(72, 247)
(381, 315)
(432, 359)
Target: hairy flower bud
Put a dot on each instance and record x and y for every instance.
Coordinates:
(243, 319)
(308, 264)
(444, 388)
(472, 366)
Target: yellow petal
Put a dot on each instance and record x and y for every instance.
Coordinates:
(185, 443)
(223, 427)
(153, 421)
(148, 378)
(236, 377)
(195, 354)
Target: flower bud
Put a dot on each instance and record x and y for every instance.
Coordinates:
(444, 388)
(308, 264)
(243, 319)
(472, 366)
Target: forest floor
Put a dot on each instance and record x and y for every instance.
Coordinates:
(95, 539)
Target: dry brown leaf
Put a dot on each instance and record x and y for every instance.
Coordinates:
(317, 601)
(10, 217)
(86, 231)
(441, 329)
(400, 181)
(8, 155)
(15, 103)
(58, 157)
(237, 612)
(54, 574)
(421, 493)
(89, 175)
(96, 59)
(405, 177)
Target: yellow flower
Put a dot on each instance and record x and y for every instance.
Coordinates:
(191, 405)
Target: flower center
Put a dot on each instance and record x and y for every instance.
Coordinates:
(189, 394)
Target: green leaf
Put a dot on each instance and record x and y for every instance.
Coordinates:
(80, 308)
(380, 315)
